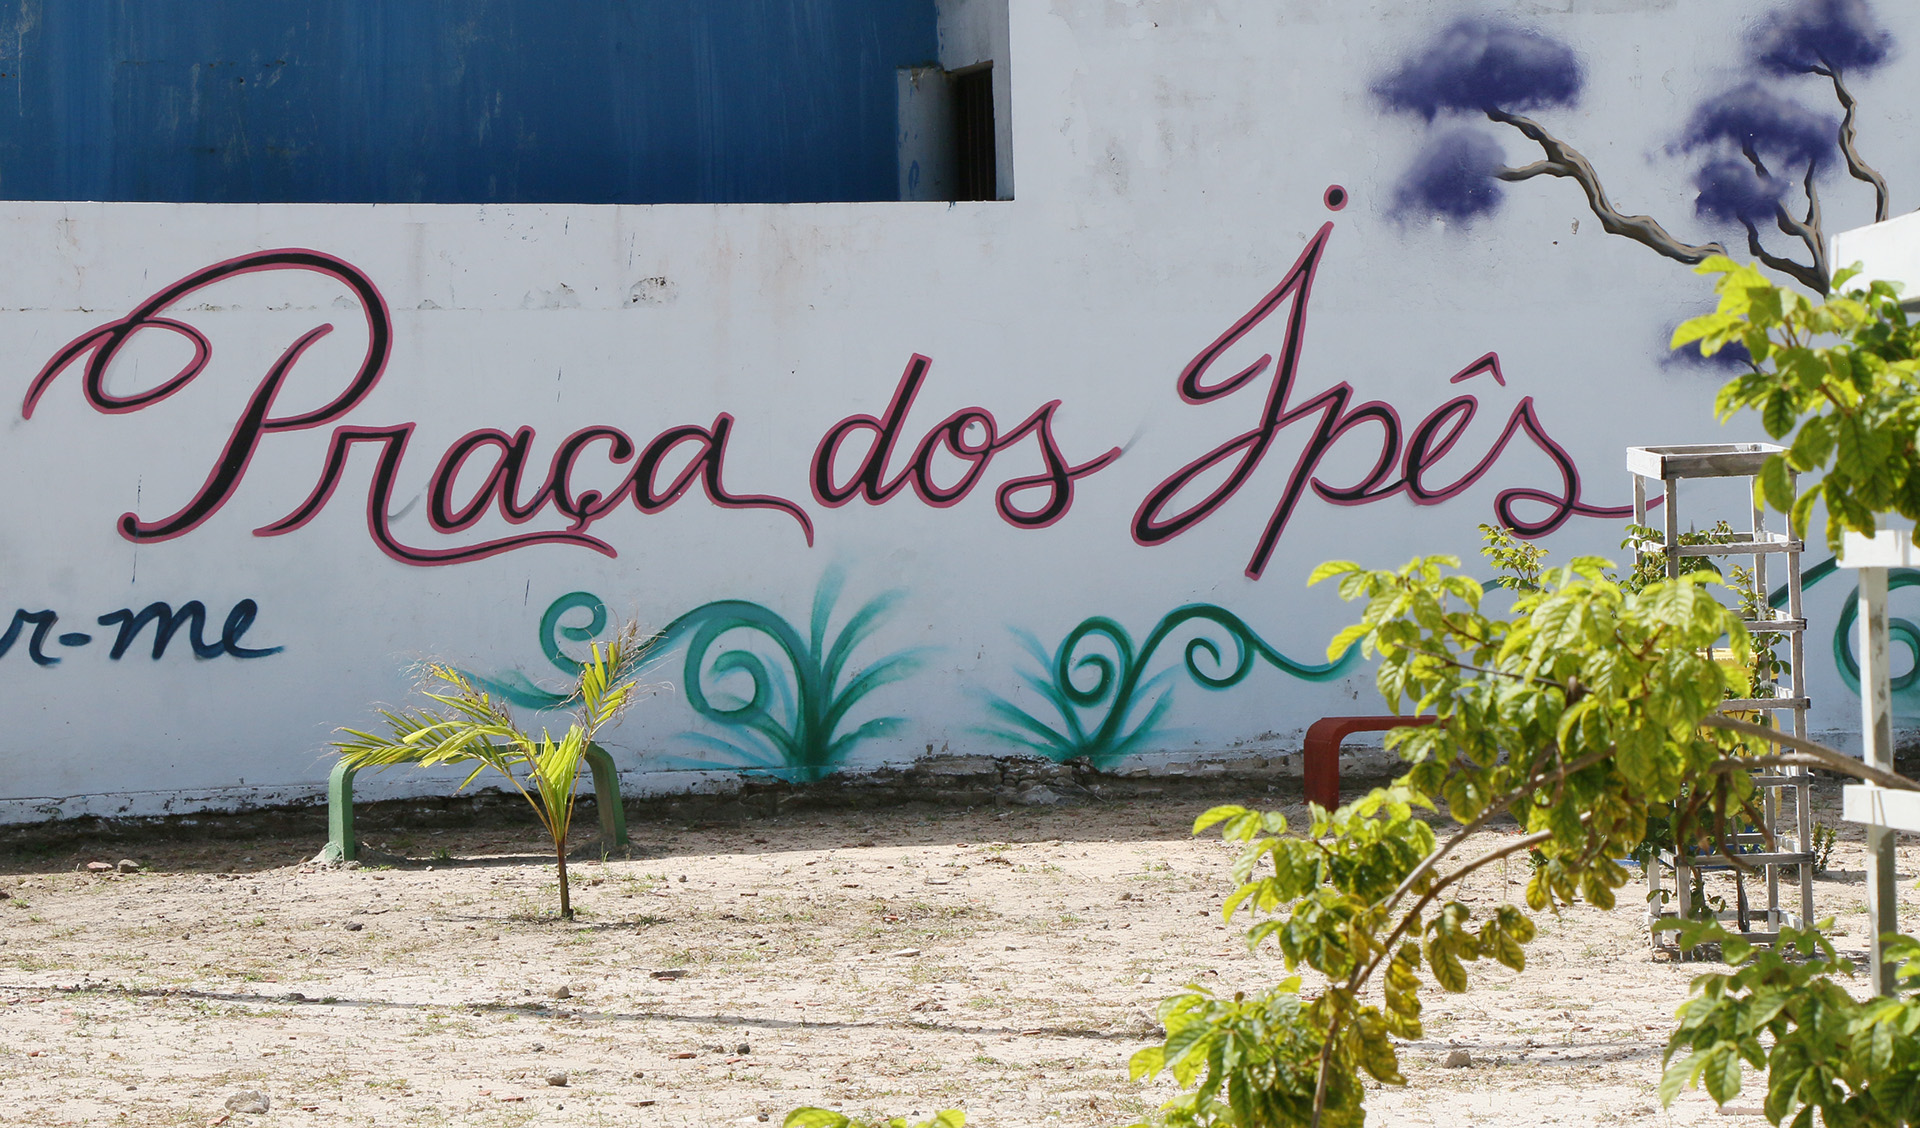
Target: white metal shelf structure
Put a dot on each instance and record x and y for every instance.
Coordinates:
(1882, 810)
(1889, 250)
(1778, 842)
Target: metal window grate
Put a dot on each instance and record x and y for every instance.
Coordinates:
(975, 172)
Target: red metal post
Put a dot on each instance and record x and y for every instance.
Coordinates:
(1322, 750)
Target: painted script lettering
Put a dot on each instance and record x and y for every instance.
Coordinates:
(191, 618)
(1329, 417)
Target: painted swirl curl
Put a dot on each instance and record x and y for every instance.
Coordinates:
(1096, 669)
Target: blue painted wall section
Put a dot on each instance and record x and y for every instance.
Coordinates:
(455, 101)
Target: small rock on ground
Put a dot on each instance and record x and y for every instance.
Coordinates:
(128, 865)
(250, 1101)
(1458, 1059)
(557, 1080)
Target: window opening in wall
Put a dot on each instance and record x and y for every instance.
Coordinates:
(955, 112)
(975, 173)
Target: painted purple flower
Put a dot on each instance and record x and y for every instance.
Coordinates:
(1774, 128)
(1453, 177)
(1733, 191)
(1478, 64)
(1734, 357)
(1833, 35)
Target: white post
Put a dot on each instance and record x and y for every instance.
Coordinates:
(1876, 727)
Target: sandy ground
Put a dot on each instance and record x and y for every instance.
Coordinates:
(1005, 962)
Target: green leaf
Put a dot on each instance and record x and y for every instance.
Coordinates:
(1803, 509)
(814, 1118)
(1722, 1073)
(1698, 328)
(1674, 1079)
(1331, 569)
(1812, 445)
(1774, 484)
(1446, 967)
(1344, 641)
(1509, 952)
(1217, 815)
(1778, 415)
(1147, 1062)
(1183, 1041)
(1880, 1047)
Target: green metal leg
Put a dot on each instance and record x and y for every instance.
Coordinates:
(342, 846)
(606, 795)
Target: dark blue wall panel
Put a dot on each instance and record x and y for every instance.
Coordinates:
(454, 101)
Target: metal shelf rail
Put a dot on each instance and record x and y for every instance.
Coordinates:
(1779, 701)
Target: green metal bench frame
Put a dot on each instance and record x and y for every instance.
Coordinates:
(343, 846)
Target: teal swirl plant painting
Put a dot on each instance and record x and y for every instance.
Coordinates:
(780, 700)
(1097, 692)
(785, 726)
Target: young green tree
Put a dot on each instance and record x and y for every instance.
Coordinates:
(1587, 714)
(467, 726)
(1579, 714)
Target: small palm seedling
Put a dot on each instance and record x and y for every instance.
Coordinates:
(468, 726)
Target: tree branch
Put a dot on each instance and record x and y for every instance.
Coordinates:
(1745, 763)
(1361, 975)
(1805, 275)
(1809, 231)
(1524, 842)
(1494, 808)
(1326, 1061)
(1449, 660)
(1813, 277)
(1528, 172)
(1819, 754)
(1859, 169)
(1565, 160)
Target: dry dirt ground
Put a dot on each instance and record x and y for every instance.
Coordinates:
(901, 961)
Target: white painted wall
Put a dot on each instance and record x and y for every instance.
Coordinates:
(1173, 161)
